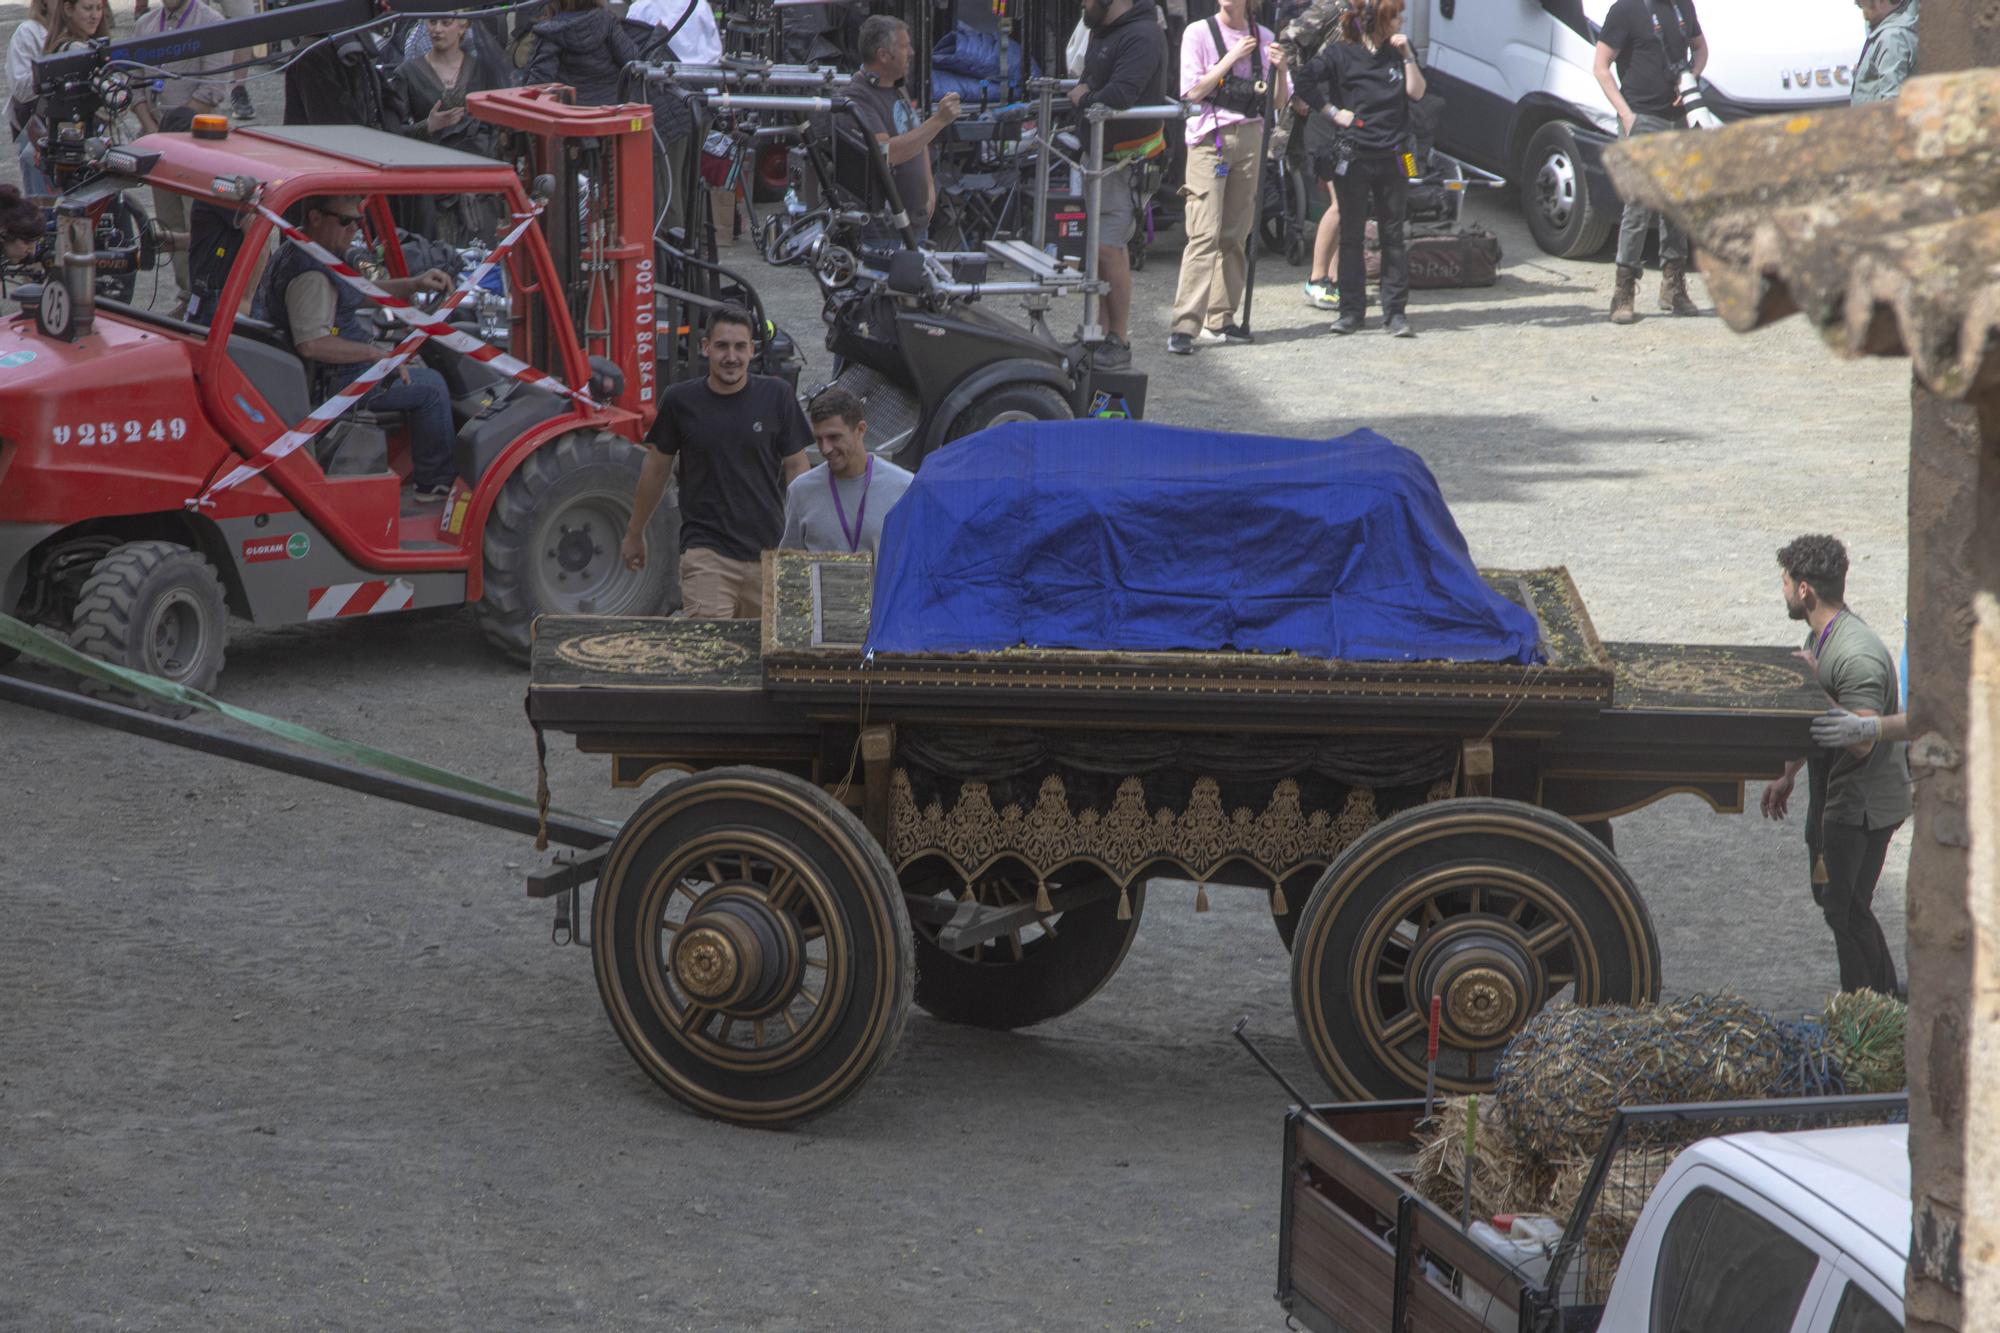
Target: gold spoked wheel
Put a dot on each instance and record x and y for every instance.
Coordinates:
(751, 946)
(1047, 966)
(1494, 907)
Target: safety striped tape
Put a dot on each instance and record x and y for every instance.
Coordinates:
(344, 400)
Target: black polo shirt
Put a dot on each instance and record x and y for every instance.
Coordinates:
(1645, 57)
(732, 448)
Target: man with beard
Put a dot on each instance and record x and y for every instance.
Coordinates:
(1857, 796)
(740, 439)
(1125, 65)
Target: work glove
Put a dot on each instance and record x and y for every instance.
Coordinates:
(1837, 728)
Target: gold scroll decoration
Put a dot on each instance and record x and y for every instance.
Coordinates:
(1128, 837)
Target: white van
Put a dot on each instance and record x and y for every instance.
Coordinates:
(1520, 99)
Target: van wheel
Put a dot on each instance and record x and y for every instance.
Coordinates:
(1555, 195)
(551, 543)
(1010, 402)
(155, 607)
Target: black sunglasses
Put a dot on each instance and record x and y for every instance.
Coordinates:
(344, 219)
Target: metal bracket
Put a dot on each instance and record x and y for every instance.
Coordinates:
(566, 871)
(962, 925)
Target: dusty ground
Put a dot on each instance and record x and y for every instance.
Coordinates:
(277, 1056)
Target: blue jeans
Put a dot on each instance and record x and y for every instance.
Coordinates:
(425, 403)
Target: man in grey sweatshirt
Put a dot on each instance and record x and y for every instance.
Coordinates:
(840, 505)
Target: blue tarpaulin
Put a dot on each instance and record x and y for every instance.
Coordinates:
(1128, 536)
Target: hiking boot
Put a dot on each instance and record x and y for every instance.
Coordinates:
(1346, 324)
(1626, 294)
(1674, 288)
(1398, 326)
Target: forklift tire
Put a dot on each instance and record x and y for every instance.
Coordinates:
(1010, 402)
(551, 543)
(155, 607)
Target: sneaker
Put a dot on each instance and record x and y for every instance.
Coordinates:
(1209, 338)
(1322, 294)
(1235, 333)
(1346, 324)
(1112, 354)
(430, 495)
(1398, 326)
(1181, 344)
(239, 103)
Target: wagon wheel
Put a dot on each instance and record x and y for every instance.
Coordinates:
(751, 946)
(1044, 969)
(1495, 906)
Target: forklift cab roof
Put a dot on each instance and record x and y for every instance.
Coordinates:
(277, 154)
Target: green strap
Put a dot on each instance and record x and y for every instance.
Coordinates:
(48, 648)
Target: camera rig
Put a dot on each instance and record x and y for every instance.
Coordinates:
(73, 86)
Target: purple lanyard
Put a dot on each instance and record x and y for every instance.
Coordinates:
(1819, 647)
(853, 534)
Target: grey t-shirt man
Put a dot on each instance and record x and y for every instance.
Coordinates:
(890, 111)
(1856, 671)
(813, 522)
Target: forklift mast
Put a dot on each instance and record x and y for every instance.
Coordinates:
(591, 169)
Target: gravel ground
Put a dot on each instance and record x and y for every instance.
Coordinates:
(279, 1056)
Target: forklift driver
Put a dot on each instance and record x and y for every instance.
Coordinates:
(322, 317)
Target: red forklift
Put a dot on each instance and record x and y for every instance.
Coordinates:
(117, 422)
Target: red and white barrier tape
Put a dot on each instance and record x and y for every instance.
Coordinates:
(344, 400)
(437, 328)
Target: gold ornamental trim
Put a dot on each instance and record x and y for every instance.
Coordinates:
(1128, 837)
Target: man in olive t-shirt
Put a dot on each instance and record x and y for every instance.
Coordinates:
(1859, 795)
(740, 439)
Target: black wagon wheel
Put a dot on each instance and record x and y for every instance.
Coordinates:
(1494, 906)
(751, 946)
(1046, 967)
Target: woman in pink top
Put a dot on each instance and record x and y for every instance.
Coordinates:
(1225, 63)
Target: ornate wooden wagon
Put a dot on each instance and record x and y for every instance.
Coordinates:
(977, 830)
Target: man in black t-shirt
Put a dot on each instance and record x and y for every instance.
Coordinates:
(1650, 42)
(740, 439)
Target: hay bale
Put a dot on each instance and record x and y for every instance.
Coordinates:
(1571, 1067)
(1865, 1030)
(1628, 1183)
(1504, 1179)
(1808, 1064)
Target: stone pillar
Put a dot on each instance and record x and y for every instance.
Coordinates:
(1954, 530)
(1981, 1245)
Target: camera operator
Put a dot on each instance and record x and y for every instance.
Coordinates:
(1364, 83)
(1651, 41)
(1223, 70)
(896, 122)
(1124, 65)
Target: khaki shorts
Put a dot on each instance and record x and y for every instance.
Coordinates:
(714, 587)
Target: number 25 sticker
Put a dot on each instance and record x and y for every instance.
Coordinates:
(88, 434)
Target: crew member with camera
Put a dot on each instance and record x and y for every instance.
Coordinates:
(894, 120)
(1124, 65)
(1653, 43)
(1364, 83)
(1223, 71)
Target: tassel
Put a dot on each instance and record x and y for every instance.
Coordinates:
(1124, 904)
(1819, 870)
(966, 895)
(1278, 904)
(1042, 903)
(1201, 897)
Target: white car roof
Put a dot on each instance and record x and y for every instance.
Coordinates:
(1861, 1173)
